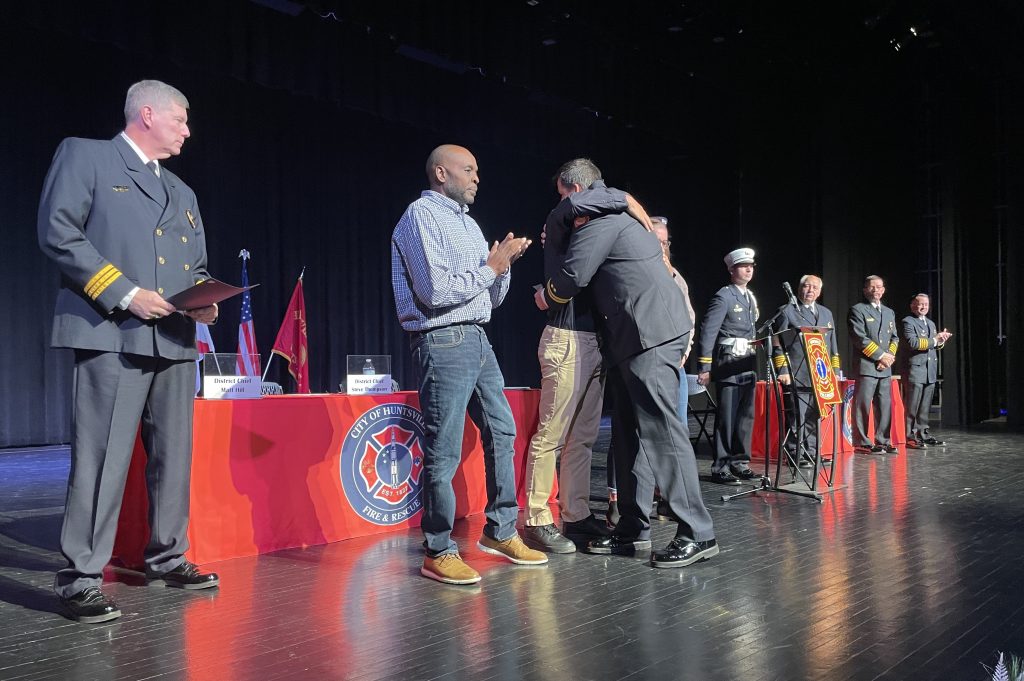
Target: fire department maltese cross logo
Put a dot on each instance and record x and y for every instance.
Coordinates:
(382, 464)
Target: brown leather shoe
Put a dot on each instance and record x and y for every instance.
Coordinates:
(513, 549)
(449, 568)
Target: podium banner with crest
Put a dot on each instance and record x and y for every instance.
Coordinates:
(823, 378)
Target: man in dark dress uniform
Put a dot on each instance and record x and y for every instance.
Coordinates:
(923, 341)
(791, 363)
(727, 357)
(872, 328)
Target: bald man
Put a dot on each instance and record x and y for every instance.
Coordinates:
(446, 282)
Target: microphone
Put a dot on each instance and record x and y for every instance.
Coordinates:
(789, 292)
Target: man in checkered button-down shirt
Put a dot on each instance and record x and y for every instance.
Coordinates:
(446, 281)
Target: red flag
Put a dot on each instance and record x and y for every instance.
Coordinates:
(291, 340)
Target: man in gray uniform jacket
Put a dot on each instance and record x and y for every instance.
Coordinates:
(923, 340)
(636, 307)
(125, 234)
(872, 328)
(790, 360)
(726, 356)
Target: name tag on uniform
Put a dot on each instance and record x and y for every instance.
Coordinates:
(191, 219)
(870, 319)
(737, 308)
(119, 188)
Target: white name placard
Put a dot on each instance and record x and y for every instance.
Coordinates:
(368, 384)
(231, 387)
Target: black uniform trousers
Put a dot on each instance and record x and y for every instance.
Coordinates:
(872, 393)
(651, 445)
(113, 392)
(802, 417)
(916, 406)
(734, 422)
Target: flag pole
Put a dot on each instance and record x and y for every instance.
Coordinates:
(272, 354)
(269, 362)
(244, 255)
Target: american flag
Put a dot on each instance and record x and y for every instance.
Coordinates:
(248, 353)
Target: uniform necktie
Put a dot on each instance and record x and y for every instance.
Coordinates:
(152, 166)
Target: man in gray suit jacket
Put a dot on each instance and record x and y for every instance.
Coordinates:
(643, 338)
(126, 234)
(872, 328)
(923, 340)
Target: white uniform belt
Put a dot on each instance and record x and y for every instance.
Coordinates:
(738, 346)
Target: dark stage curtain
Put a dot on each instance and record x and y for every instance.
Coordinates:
(310, 136)
(308, 143)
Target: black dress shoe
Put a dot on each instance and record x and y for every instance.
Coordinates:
(916, 444)
(547, 538)
(724, 478)
(864, 449)
(619, 546)
(806, 462)
(588, 527)
(91, 606)
(681, 552)
(743, 473)
(185, 576)
(878, 449)
(933, 442)
(892, 449)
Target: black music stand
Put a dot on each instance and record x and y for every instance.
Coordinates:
(765, 337)
(798, 480)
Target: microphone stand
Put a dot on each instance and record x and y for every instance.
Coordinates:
(764, 336)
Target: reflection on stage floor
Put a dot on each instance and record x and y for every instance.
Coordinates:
(912, 571)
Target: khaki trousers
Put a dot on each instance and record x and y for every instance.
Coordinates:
(571, 395)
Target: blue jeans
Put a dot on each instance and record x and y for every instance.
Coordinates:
(457, 371)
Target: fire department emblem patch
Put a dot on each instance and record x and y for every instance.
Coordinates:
(382, 464)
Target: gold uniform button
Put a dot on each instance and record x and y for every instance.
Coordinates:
(161, 260)
(159, 232)
(184, 239)
(186, 268)
(160, 291)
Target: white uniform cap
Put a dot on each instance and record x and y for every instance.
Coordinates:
(739, 256)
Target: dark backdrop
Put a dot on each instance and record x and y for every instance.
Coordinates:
(310, 135)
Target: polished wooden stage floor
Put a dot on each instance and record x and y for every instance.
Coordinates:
(914, 571)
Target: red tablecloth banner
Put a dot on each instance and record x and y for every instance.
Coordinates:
(299, 470)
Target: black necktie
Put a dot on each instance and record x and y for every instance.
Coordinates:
(163, 183)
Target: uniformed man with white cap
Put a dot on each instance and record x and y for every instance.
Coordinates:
(727, 357)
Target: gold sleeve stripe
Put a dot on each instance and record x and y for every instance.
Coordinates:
(870, 349)
(551, 294)
(704, 360)
(835, 361)
(101, 280)
(780, 361)
(892, 348)
(922, 343)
